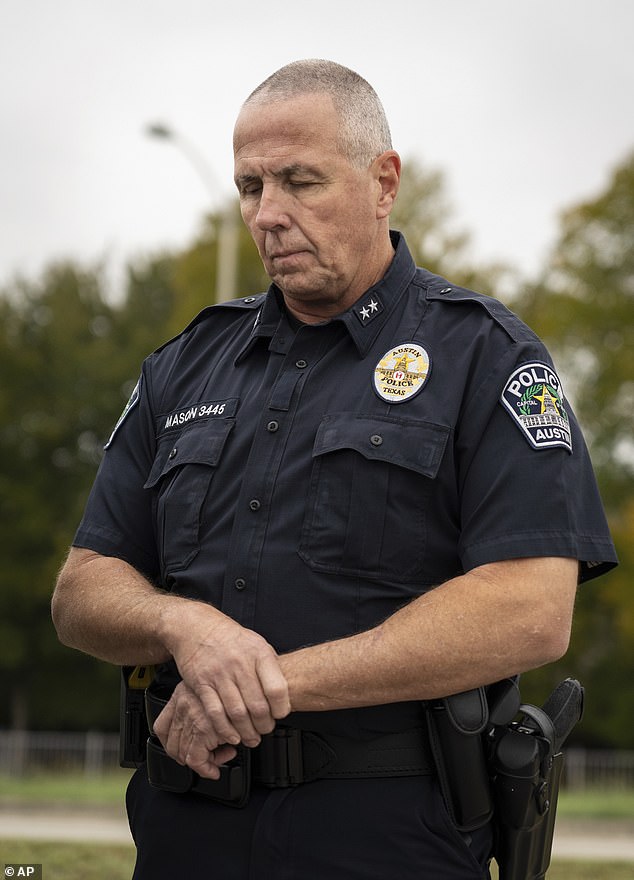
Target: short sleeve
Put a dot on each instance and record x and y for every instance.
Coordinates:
(117, 519)
(527, 484)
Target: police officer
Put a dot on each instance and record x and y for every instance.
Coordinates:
(323, 506)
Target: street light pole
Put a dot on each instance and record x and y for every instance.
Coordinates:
(228, 235)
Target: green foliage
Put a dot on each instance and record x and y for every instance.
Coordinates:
(54, 344)
(583, 307)
(69, 358)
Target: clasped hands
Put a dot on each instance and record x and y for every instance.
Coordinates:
(232, 691)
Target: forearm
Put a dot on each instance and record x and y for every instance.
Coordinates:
(106, 608)
(496, 621)
(232, 689)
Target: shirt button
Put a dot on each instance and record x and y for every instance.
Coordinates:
(254, 504)
(249, 299)
(301, 364)
(376, 439)
(173, 453)
(272, 426)
(239, 583)
(446, 290)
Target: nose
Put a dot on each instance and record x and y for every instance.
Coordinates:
(272, 212)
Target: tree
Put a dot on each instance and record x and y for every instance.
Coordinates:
(53, 341)
(583, 307)
(69, 359)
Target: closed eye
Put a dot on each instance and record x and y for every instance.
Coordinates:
(248, 185)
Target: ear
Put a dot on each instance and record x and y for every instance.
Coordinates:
(387, 170)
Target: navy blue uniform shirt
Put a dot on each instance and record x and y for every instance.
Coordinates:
(308, 482)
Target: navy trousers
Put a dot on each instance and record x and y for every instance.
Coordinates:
(354, 829)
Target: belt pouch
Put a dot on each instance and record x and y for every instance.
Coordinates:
(456, 728)
(232, 789)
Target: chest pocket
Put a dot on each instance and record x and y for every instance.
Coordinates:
(369, 496)
(181, 477)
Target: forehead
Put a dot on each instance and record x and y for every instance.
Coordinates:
(301, 127)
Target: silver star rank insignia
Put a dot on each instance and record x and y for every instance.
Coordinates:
(368, 308)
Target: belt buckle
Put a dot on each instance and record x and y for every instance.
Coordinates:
(279, 758)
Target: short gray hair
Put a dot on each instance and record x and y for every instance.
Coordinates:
(364, 133)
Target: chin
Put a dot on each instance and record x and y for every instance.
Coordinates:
(300, 286)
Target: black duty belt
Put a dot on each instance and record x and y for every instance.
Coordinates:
(288, 757)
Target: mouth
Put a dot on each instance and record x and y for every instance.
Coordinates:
(286, 258)
(280, 255)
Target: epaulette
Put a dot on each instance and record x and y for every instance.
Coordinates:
(438, 288)
(245, 304)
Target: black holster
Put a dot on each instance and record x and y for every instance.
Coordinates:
(490, 766)
(526, 767)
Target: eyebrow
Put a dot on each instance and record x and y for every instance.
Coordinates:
(283, 173)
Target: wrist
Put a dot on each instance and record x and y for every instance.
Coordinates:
(186, 623)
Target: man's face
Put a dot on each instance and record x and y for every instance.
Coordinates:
(316, 220)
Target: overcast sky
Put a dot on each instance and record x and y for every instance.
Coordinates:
(526, 107)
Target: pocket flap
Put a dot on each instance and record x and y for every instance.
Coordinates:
(202, 444)
(408, 443)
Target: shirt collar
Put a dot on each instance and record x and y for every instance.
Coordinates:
(266, 322)
(363, 320)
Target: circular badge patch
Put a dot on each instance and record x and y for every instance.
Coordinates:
(401, 372)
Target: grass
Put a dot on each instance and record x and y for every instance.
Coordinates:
(71, 861)
(83, 861)
(68, 789)
(596, 804)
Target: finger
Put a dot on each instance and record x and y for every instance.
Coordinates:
(217, 718)
(236, 713)
(177, 741)
(207, 763)
(181, 722)
(199, 756)
(162, 724)
(169, 731)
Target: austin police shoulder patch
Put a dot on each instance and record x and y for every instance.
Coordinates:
(401, 372)
(134, 399)
(534, 397)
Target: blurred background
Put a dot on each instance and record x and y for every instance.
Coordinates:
(119, 223)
